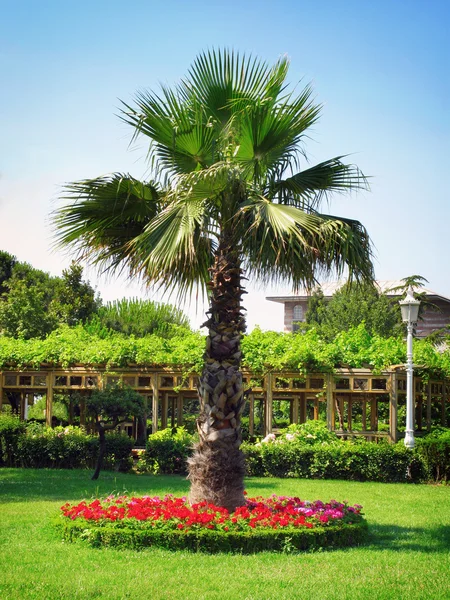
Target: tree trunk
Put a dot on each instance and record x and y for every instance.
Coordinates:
(101, 452)
(217, 468)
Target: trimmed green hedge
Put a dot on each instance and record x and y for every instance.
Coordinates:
(281, 540)
(434, 451)
(167, 452)
(364, 461)
(38, 447)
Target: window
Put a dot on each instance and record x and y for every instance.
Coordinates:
(298, 312)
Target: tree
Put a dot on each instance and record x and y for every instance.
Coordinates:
(24, 307)
(75, 300)
(114, 405)
(228, 198)
(34, 303)
(350, 306)
(7, 262)
(139, 318)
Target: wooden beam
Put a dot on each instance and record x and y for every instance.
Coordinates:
(49, 401)
(349, 413)
(1, 391)
(180, 410)
(155, 402)
(393, 409)
(429, 406)
(268, 413)
(373, 414)
(164, 410)
(251, 413)
(294, 404)
(172, 416)
(331, 418)
(316, 409)
(364, 413)
(303, 401)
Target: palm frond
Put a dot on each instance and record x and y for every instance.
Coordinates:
(103, 216)
(175, 250)
(311, 185)
(284, 243)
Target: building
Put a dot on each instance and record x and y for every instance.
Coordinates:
(295, 306)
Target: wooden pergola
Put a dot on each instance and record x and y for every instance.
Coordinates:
(355, 402)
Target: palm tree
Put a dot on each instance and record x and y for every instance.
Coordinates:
(228, 197)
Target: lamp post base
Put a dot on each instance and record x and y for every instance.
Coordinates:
(409, 440)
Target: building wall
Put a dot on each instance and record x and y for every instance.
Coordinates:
(289, 312)
(432, 320)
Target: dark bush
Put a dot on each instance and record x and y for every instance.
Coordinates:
(69, 448)
(434, 451)
(11, 429)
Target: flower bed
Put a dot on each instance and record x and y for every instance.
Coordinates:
(277, 523)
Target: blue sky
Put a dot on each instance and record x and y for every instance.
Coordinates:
(381, 70)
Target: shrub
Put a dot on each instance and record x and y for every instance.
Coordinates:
(311, 432)
(167, 451)
(11, 428)
(344, 460)
(69, 448)
(434, 450)
(240, 542)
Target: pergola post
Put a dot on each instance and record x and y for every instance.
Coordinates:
(295, 402)
(330, 402)
(268, 413)
(155, 401)
(393, 409)
(1, 392)
(251, 413)
(180, 410)
(429, 406)
(49, 401)
(164, 410)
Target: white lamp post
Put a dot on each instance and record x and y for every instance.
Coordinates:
(410, 312)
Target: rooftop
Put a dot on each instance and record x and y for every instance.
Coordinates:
(332, 287)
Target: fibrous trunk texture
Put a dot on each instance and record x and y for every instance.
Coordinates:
(217, 468)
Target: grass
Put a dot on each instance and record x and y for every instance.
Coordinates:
(408, 554)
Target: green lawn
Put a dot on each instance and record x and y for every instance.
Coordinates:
(408, 554)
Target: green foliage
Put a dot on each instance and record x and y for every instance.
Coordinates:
(139, 318)
(75, 300)
(11, 429)
(7, 262)
(167, 451)
(116, 535)
(351, 306)
(114, 404)
(310, 433)
(67, 346)
(33, 303)
(362, 461)
(262, 351)
(434, 450)
(66, 448)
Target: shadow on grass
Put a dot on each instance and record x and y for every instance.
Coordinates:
(433, 539)
(47, 485)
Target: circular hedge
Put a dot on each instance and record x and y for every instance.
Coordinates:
(280, 524)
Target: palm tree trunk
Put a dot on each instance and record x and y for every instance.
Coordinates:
(217, 468)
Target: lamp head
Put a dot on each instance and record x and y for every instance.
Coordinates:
(409, 307)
